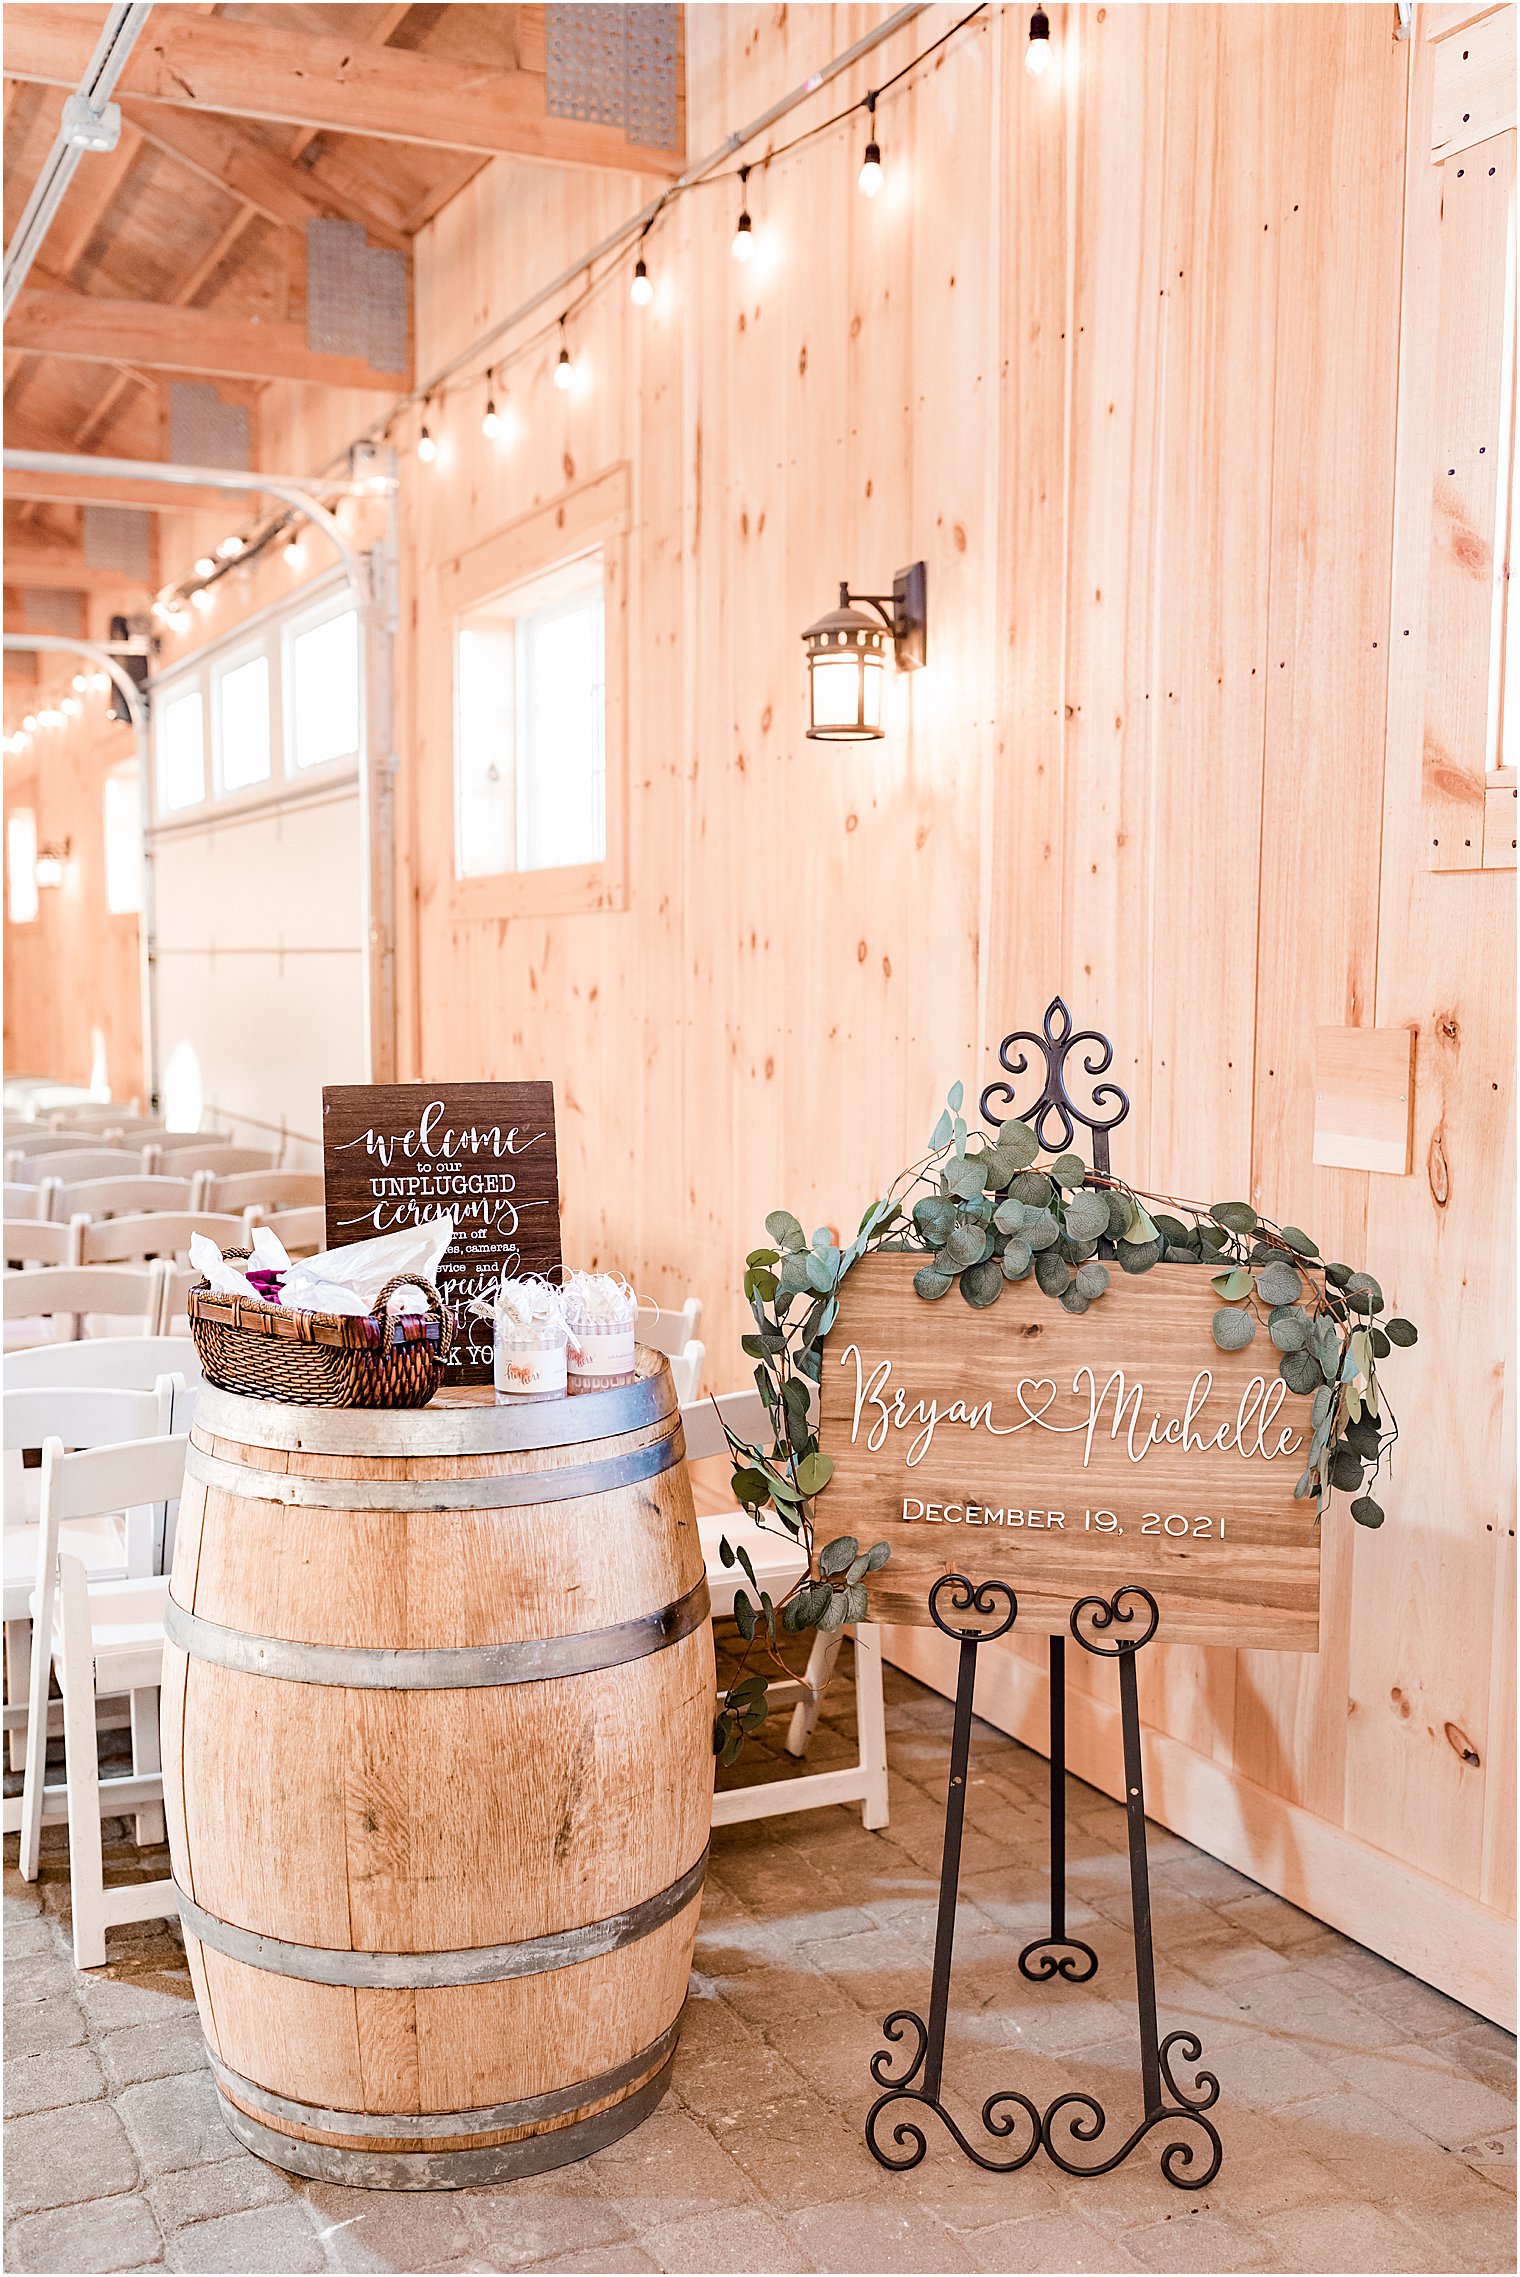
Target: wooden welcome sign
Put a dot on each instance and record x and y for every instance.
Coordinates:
(1070, 1455)
(396, 1153)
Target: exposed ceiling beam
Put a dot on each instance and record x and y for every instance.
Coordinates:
(183, 296)
(261, 71)
(62, 569)
(91, 329)
(100, 490)
(290, 196)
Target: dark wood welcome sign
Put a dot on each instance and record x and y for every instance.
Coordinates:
(1070, 1455)
(396, 1153)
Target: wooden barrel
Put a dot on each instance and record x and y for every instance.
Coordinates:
(437, 1712)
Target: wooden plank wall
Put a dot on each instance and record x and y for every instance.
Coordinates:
(1126, 355)
(1118, 353)
(72, 977)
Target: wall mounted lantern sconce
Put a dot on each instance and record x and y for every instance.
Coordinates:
(49, 865)
(847, 656)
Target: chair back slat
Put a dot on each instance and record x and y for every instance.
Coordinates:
(98, 1480)
(97, 1198)
(32, 1241)
(669, 1330)
(154, 1233)
(185, 1161)
(22, 1201)
(85, 1416)
(50, 1292)
(85, 1162)
(267, 1190)
(114, 1363)
(302, 1232)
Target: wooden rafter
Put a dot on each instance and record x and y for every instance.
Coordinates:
(224, 155)
(184, 297)
(91, 329)
(258, 70)
(64, 569)
(102, 490)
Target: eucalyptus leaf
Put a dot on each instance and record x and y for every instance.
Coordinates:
(1233, 1285)
(1238, 1216)
(1366, 1512)
(1017, 1145)
(1068, 1170)
(1289, 1330)
(1009, 1215)
(1121, 1215)
(1092, 1280)
(940, 1135)
(1034, 1187)
(964, 1246)
(1401, 1332)
(1087, 1215)
(858, 1604)
(982, 1284)
(813, 1475)
(1300, 1372)
(930, 1283)
(835, 1556)
(1052, 1272)
(1017, 1261)
(1139, 1256)
(834, 1613)
(1173, 1228)
(1300, 1241)
(1345, 1470)
(744, 1614)
(1279, 1285)
(1233, 1329)
(1041, 1231)
(1072, 1299)
(785, 1230)
(877, 1556)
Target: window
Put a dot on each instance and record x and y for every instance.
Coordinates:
(181, 751)
(322, 681)
(21, 864)
(123, 838)
(530, 728)
(242, 724)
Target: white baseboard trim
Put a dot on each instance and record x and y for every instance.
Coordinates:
(1437, 1933)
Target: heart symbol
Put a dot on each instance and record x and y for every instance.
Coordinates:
(1028, 1384)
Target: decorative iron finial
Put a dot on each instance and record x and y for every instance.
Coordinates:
(1054, 1115)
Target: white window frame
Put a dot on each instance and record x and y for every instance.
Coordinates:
(268, 633)
(337, 602)
(593, 519)
(185, 685)
(223, 664)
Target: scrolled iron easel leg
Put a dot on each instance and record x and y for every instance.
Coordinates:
(1167, 2103)
(920, 2083)
(1058, 1955)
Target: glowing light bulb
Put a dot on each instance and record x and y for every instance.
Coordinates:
(230, 548)
(203, 598)
(80, 682)
(427, 449)
(870, 176)
(490, 425)
(564, 372)
(30, 723)
(292, 552)
(641, 291)
(1037, 54)
(744, 239)
(71, 707)
(178, 615)
(204, 566)
(100, 682)
(51, 717)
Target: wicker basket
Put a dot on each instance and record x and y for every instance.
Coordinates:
(321, 1359)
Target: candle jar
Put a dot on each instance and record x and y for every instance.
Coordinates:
(528, 1359)
(600, 1312)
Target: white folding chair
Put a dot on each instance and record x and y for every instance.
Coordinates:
(102, 1640)
(187, 1161)
(778, 1562)
(674, 1332)
(75, 1294)
(154, 1233)
(98, 1198)
(110, 1545)
(39, 1138)
(178, 1281)
(301, 1232)
(23, 1201)
(174, 1142)
(106, 1363)
(266, 1190)
(32, 1241)
(76, 1163)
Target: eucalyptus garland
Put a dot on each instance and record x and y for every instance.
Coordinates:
(983, 1214)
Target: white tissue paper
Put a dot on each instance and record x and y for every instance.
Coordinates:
(350, 1279)
(225, 1280)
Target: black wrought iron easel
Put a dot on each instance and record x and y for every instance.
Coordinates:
(1111, 1628)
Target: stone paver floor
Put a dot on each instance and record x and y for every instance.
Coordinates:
(1368, 2122)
